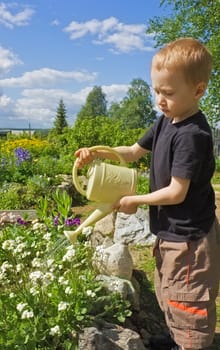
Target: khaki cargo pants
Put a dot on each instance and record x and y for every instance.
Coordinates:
(186, 283)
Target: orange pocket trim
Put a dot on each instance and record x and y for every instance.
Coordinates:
(191, 310)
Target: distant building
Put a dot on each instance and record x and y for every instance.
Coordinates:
(5, 132)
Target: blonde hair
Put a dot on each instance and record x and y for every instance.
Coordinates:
(188, 55)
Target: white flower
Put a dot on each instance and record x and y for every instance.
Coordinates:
(62, 281)
(34, 291)
(19, 267)
(47, 236)
(38, 226)
(18, 240)
(20, 248)
(55, 330)
(69, 254)
(62, 306)
(90, 293)
(115, 285)
(82, 277)
(50, 262)
(25, 253)
(48, 277)
(68, 290)
(6, 266)
(36, 275)
(20, 307)
(2, 276)
(8, 245)
(36, 262)
(11, 295)
(27, 314)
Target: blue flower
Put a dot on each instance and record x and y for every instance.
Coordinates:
(21, 155)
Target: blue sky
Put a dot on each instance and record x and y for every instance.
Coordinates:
(53, 49)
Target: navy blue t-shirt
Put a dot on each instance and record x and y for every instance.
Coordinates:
(185, 150)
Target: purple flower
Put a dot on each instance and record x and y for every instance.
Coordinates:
(21, 221)
(21, 155)
(56, 220)
(72, 221)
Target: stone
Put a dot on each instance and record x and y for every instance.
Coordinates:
(114, 260)
(110, 337)
(133, 229)
(106, 225)
(124, 287)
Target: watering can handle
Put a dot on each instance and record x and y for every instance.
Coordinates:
(94, 148)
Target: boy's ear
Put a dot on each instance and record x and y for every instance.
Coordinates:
(200, 90)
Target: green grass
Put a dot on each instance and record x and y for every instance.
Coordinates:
(216, 178)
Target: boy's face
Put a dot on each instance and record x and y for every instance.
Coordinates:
(176, 98)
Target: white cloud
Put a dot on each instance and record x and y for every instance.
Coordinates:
(7, 60)
(46, 76)
(11, 15)
(38, 106)
(115, 92)
(122, 37)
(4, 101)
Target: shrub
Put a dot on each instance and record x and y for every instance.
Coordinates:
(49, 290)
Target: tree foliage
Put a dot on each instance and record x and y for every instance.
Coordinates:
(60, 121)
(136, 109)
(96, 105)
(102, 130)
(199, 19)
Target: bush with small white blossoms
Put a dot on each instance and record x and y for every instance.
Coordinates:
(49, 291)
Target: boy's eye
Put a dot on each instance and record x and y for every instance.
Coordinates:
(164, 93)
(168, 93)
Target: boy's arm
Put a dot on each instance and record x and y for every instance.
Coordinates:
(172, 194)
(129, 153)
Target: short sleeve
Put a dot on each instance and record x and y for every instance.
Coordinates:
(188, 155)
(146, 141)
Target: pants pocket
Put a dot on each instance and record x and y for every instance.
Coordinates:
(187, 306)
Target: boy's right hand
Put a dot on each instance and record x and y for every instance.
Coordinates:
(85, 156)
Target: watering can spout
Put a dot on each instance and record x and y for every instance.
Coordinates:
(98, 214)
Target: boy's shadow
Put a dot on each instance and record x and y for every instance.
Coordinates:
(150, 317)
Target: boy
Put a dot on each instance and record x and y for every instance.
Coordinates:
(181, 198)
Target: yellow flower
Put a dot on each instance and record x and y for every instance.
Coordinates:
(29, 144)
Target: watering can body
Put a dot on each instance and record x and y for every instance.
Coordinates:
(106, 184)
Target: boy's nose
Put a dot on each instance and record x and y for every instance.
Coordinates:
(160, 99)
